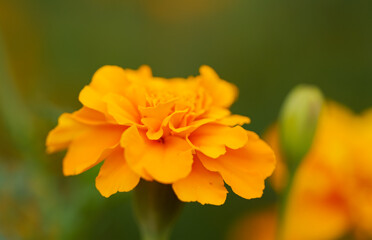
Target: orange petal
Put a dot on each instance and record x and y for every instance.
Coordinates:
(176, 119)
(109, 79)
(61, 136)
(115, 80)
(216, 113)
(223, 93)
(201, 185)
(154, 126)
(234, 120)
(89, 116)
(212, 139)
(244, 169)
(136, 94)
(157, 128)
(115, 175)
(92, 98)
(165, 160)
(183, 131)
(141, 75)
(307, 209)
(121, 109)
(90, 148)
(153, 118)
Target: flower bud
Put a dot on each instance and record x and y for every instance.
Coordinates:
(298, 122)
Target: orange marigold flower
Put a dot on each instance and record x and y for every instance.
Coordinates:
(334, 181)
(173, 131)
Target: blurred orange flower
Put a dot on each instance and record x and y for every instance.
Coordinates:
(174, 131)
(332, 192)
(257, 226)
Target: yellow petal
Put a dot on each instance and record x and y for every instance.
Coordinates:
(176, 118)
(305, 209)
(216, 113)
(234, 120)
(165, 160)
(109, 79)
(201, 185)
(244, 169)
(212, 139)
(121, 109)
(90, 148)
(223, 93)
(114, 80)
(115, 175)
(61, 136)
(153, 118)
(89, 116)
(154, 126)
(186, 130)
(177, 123)
(92, 98)
(136, 94)
(72, 125)
(141, 75)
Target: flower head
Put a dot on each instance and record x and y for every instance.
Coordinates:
(173, 131)
(332, 193)
(334, 181)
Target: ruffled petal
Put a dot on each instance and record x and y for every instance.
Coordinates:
(201, 185)
(212, 139)
(154, 119)
(234, 120)
(90, 148)
(109, 79)
(113, 80)
(223, 93)
(165, 160)
(141, 75)
(244, 169)
(89, 116)
(121, 109)
(61, 136)
(175, 120)
(72, 125)
(92, 98)
(216, 113)
(115, 175)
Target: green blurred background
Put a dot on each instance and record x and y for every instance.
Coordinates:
(49, 49)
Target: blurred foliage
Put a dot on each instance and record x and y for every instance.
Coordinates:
(51, 48)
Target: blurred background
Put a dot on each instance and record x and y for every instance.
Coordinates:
(49, 49)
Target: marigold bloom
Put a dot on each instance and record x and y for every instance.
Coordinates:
(173, 131)
(332, 190)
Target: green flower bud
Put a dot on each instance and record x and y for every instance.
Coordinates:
(298, 122)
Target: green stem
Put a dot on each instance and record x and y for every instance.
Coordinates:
(156, 209)
(284, 202)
